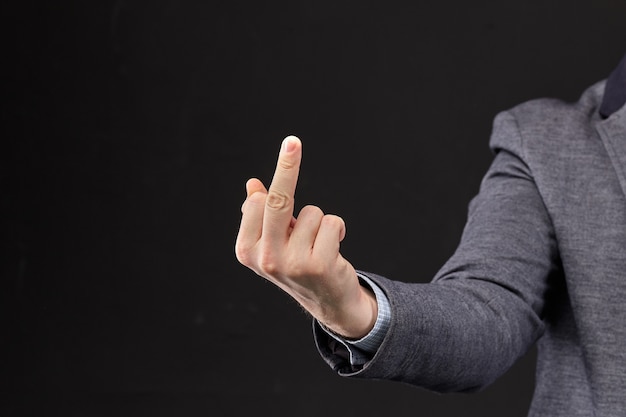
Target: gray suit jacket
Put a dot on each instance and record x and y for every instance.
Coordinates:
(542, 259)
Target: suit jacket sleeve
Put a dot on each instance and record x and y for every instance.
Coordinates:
(483, 309)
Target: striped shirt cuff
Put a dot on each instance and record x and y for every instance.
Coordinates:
(363, 350)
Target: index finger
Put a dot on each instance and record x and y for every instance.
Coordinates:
(280, 196)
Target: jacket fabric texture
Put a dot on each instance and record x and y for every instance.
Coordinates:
(542, 259)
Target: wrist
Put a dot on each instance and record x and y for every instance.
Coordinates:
(358, 318)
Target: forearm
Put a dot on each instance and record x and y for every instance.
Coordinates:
(483, 309)
(459, 336)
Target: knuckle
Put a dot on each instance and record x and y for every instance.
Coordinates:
(330, 220)
(244, 251)
(311, 211)
(286, 164)
(268, 264)
(277, 200)
(242, 254)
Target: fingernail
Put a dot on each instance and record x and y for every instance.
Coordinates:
(289, 144)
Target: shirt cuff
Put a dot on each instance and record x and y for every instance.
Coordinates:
(362, 350)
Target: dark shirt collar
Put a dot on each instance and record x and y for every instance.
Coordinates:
(614, 90)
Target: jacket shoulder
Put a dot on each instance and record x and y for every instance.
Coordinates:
(546, 119)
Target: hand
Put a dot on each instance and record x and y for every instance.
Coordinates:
(301, 256)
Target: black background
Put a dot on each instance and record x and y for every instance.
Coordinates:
(130, 127)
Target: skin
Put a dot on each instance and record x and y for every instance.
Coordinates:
(300, 254)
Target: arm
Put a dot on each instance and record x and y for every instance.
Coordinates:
(479, 315)
(483, 309)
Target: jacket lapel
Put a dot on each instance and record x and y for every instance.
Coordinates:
(612, 129)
